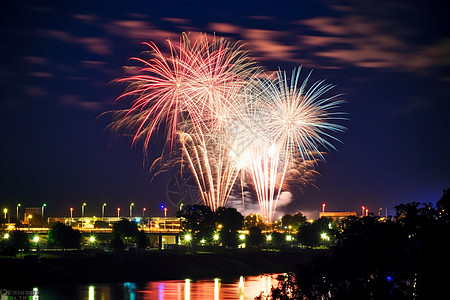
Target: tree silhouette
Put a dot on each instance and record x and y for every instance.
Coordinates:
(124, 233)
(254, 220)
(316, 233)
(231, 221)
(142, 240)
(256, 238)
(117, 243)
(17, 242)
(443, 205)
(198, 220)
(296, 221)
(375, 258)
(63, 237)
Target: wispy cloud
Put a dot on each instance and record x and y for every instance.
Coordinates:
(76, 101)
(96, 45)
(140, 30)
(367, 41)
(351, 36)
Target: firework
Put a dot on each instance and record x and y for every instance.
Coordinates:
(301, 120)
(290, 123)
(213, 102)
(192, 93)
(193, 82)
(214, 169)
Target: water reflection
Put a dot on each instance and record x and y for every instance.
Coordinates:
(241, 288)
(216, 288)
(187, 289)
(91, 292)
(130, 289)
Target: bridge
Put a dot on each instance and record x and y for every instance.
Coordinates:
(166, 230)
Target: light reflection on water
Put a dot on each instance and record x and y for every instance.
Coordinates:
(215, 289)
(242, 288)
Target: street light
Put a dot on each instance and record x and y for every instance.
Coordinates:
(165, 210)
(36, 240)
(323, 207)
(71, 212)
(17, 212)
(131, 209)
(118, 212)
(187, 237)
(43, 205)
(103, 210)
(362, 211)
(143, 212)
(5, 211)
(29, 220)
(82, 209)
(165, 215)
(324, 236)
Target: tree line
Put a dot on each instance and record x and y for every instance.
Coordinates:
(406, 257)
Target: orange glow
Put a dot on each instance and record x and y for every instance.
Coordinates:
(244, 288)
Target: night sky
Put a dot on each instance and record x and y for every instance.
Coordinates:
(390, 59)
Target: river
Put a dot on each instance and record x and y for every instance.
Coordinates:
(239, 288)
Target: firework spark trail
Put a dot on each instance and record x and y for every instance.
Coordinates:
(210, 95)
(196, 86)
(193, 80)
(300, 119)
(265, 174)
(214, 171)
(296, 123)
(206, 144)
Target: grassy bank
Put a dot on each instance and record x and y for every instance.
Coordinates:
(82, 268)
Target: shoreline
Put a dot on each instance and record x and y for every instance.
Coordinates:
(95, 268)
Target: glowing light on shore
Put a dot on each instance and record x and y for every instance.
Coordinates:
(187, 237)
